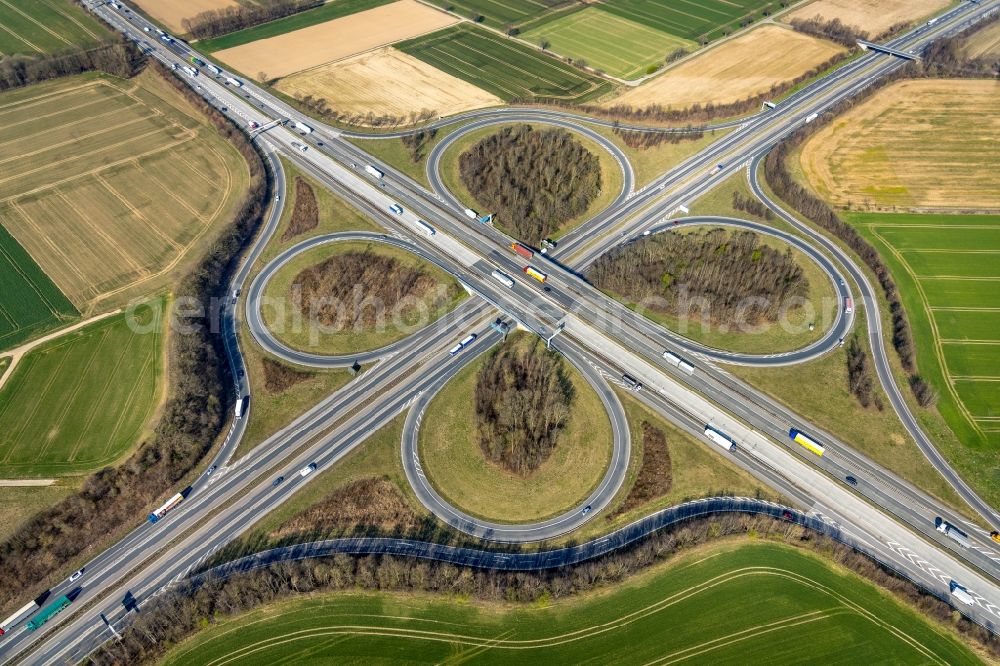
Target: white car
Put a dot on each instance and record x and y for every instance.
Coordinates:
(75, 576)
(307, 470)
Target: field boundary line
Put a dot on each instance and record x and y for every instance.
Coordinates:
(68, 109)
(104, 167)
(136, 212)
(133, 394)
(98, 232)
(935, 333)
(60, 92)
(44, 27)
(70, 17)
(60, 144)
(16, 207)
(23, 40)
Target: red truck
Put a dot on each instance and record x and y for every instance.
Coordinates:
(522, 250)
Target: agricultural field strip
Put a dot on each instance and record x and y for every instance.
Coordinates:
(612, 41)
(285, 625)
(32, 19)
(458, 53)
(667, 15)
(939, 340)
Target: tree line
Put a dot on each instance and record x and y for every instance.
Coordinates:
(860, 382)
(117, 56)
(722, 275)
(833, 30)
(305, 213)
(216, 22)
(417, 142)
(523, 398)
(169, 618)
(646, 140)
(656, 474)
(944, 57)
(320, 106)
(532, 180)
(751, 205)
(193, 416)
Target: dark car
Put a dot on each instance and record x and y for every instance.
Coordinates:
(277, 482)
(787, 515)
(586, 510)
(851, 480)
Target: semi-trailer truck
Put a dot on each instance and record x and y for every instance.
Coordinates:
(396, 208)
(374, 172)
(503, 278)
(465, 342)
(848, 305)
(49, 612)
(531, 271)
(18, 616)
(302, 127)
(631, 383)
(961, 593)
(720, 438)
(234, 82)
(215, 70)
(946, 528)
(166, 507)
(806, 442)
(522, 250)
(428, 229)
(241, 406)
(197, 61)
(471, 214)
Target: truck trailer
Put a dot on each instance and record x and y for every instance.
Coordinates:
(166, 507)
(234, 82)
(522, 250)
(531, 271)
(374, 172)
(806, 442)
(241, 406)
(18, 616)
(946, 528)
(961, 593)
(503, 278)
(215, 70)
(426, 228)
(302, 127)
(49, 612)
(720, 438)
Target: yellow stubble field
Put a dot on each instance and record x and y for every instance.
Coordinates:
(387, 82)
(871, 16)
(925, 143)
(736, 69)
(334, 40)
(172, 12)
(109, 185)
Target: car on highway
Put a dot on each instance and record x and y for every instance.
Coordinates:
(586, 510)
(995, 536)
(211, 469)
(277, 482)
(851, 480)
(76, 576)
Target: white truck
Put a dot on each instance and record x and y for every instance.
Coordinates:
(234, 82)
(961, 593)
(241, 406)
(946, 528)
(427, 229)
(471, 214)
(396, 208)
(720, 438)
(215, 70)
(302, 127)
(191, 71)
(503, 278)
(373, 171)
(811, 117)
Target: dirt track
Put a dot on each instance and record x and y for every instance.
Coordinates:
(172, 12)
(722, 75)
(334, 40)
(387, 82)
(872, 16)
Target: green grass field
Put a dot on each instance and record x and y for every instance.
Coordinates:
(732, 603)
(607, 41)
(947, 267)
(457, 467)
(502, 66)
(687, 20)
(498, 13)
(45, 26)
(30, 302)
(79, 402)
(322, 14)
